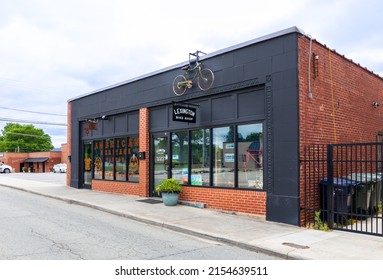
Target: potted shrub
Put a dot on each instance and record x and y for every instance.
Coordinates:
(170, 190)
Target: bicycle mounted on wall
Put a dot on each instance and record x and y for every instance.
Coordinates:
(193, 71)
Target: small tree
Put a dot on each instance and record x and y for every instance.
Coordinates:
(24, 138)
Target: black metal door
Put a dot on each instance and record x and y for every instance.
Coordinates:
(87, 166)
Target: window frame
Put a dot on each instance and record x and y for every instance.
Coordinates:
(103, 157)
(211, 155)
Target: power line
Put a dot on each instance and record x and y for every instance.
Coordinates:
(34, 112)
(32, 135)
(32, 122)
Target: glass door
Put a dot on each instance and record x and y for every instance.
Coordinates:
(160, 167)
(87, 165)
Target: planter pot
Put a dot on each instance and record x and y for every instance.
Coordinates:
(170, 198)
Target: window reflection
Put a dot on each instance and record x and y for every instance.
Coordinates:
(250, 156)
(180, 156)
(200, 157)
(230, 156)
(223, 158)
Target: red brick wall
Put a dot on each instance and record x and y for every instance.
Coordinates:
(341, 109)
(15, 159)
(117, 187)
(144, 147)
(252, 202)
(64, 153)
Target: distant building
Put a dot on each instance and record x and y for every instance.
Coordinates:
(37, 162)
(242, 152)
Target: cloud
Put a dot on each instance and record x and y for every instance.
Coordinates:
(52, 51)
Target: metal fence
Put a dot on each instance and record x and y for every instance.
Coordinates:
(341, 187)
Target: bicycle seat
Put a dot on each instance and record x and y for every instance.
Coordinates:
(186, 67)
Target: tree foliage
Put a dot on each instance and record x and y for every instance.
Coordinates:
(24, 138)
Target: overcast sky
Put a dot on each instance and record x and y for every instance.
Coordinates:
(54, 50)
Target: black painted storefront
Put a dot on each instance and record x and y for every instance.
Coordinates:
(256, 81)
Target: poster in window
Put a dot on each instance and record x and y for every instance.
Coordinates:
(97, 158)
(109, 159)
(120, 157)
(133, 160)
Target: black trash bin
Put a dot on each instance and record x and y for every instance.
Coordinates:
(342, 196)
(363, 193)
(376, 194)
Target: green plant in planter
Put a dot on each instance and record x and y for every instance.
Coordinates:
(169, 190)
(169, 185)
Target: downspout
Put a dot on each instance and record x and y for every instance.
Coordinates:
(310, 94)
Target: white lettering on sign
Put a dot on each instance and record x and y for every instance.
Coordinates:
(186, 111)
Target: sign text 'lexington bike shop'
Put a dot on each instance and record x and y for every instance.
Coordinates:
(184, 114)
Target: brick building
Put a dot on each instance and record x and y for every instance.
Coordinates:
(271, 96)
(37, 162)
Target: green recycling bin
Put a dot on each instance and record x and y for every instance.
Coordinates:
(362, 197)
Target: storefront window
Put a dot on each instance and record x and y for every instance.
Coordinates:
(180, 156)
(116, 159)
(250, 156)
(120, 157)
(229, 156)
(223, 157)
(109, 159)
(97, 159)
(133, 168)
(200, 157)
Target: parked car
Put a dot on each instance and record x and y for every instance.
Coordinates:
(59, 168)
(4, 168)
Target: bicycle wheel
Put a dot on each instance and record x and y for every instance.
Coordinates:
(179, 85)
(205, 79)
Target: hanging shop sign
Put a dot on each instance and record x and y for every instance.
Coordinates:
(184, 114)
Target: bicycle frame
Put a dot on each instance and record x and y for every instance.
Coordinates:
(190, 77)
(189, 68)
(204, 76)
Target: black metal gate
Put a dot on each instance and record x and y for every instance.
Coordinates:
(342, 187)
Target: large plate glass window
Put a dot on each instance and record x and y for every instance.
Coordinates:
(200, 157)
(223, 156)
(180, 156)
(250, 156)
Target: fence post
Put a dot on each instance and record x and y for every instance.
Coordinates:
(330, 190)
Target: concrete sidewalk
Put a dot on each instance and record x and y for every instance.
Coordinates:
(251, 232)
